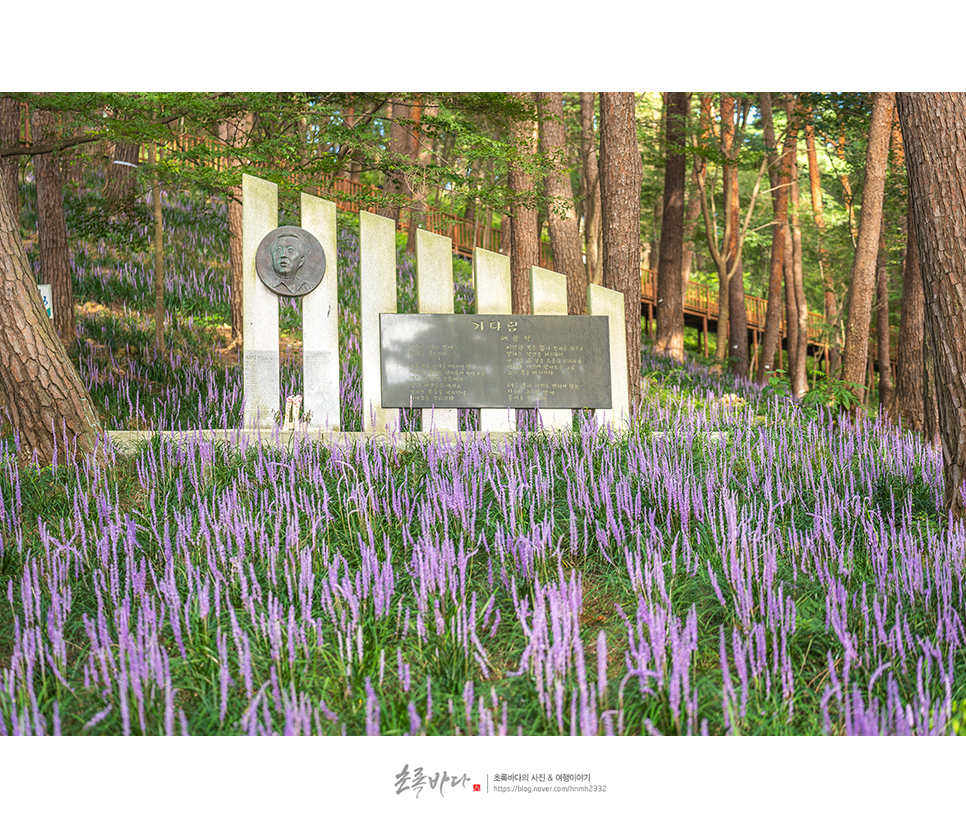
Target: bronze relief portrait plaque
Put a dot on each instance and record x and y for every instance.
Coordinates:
(290, 261)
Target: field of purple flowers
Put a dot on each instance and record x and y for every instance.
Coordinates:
(732, 565)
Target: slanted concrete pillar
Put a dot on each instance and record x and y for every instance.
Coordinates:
(320, 322)
(491, 280)
(260, 358)
(434, 294)
(377, 287)
(548, 297)
(605, 302)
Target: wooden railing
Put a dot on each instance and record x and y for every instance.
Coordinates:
(701, 300)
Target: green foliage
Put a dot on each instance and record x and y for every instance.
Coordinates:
(829, 392)
(94, 219)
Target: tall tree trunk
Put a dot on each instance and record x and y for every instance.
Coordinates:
(52, 227)
(120, 181)
(726, 269)
(797, 375)
(396, 187)
(654, 240)
(791, 307)
(621, 176)
(590, 189)
(46, 400)
(652, 247)
(882, 334)
(670, 299)
(235, 133)
(828, 286)
(737, 315)
(9, 137)
(935, 150)
(908, 405)
(862, 282)
(691, 215)
(562, 216)
(727, 115)
(420, 152)
(525, 243)
(780, 181)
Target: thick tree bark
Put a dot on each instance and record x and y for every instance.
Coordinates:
(620, 179)
(562, 216)
(590, 189)
(935, 150)
(862, 282)
(120, 181)
(670, 299)
(780, 176)
(10, 136)
(524, 240)
(46, 401)
(908, 405)
(52, 227)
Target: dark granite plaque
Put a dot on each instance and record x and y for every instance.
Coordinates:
(447, 361)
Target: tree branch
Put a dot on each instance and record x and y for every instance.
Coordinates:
(49, 147)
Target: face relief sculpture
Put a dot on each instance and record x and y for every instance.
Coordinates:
(288, 255)
(290, 262)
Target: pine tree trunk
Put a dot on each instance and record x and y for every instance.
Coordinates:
(590, 189)
(908, 405)
(620, 180)
(797, 374)
(724, 299)
(235, 134)
(935, 151)
(562, 216)
(46, 401)
(525, 243)
(396, 186)
(791, 307)
(691, 215)
(780, 176)
(862, 282)
(670, 300)
(10, 137)
(120, 181)
(737, 315)
(52, 227)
